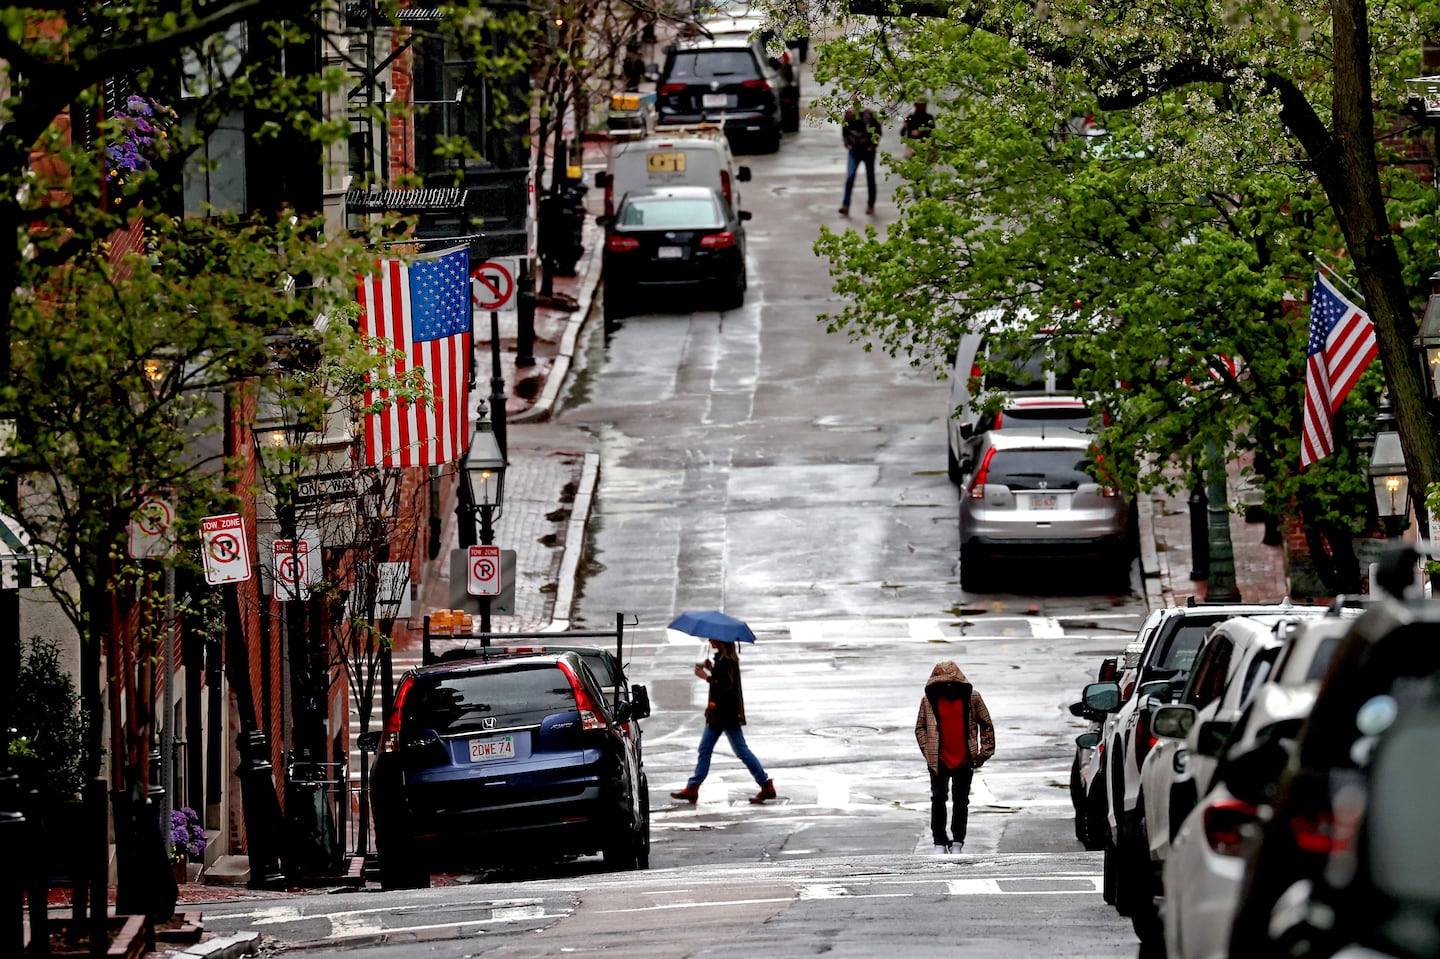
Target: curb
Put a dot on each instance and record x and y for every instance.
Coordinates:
(223, 947)
(575, 544)
(565, 355)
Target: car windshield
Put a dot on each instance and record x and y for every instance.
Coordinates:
(667, 212)
(1324, 652)
(458, 702)
(691, 65)
(1034, 417)
(1023, 369)
(1039, 469)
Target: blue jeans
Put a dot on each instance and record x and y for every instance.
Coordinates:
(708, 738)
(852, 164)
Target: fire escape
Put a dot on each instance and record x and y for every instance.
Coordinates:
(482, 203)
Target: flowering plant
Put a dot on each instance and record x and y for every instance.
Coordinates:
(187, 835)
(142, 121)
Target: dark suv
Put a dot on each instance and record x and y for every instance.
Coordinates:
(509, 758)
(726, 80)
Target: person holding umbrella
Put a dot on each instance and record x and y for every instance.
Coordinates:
(725, 707)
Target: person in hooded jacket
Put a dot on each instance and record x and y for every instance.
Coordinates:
(956, 737)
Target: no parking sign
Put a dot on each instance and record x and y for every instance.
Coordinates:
(224, 549)
(484, 571)
(296, 566)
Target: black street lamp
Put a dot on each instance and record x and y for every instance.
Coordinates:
(485, 481)
(1388, 477)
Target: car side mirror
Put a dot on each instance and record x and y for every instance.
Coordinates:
(1252, 775)
(1212, 736)
(624, 711)
(966, 430)
(368, 742)
(1081, 711)
(742, 173)
(602, 179)
(1173, 722)
(640, 697)
(1102, 697)
(743, 214)
(604, 220)
(1088, 740)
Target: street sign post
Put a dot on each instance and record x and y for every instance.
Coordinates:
(492, 284)
(296, 566)
(152, 529)
(225, 550)
(501, 604)
(483, 577)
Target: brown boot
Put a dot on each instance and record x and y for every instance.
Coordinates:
(767, 791)
(690, 794)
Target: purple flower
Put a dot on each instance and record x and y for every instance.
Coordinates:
(187, 835)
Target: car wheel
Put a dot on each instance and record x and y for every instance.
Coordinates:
(952, 466)
(731, 295)
(790, 118)
(642, 852)
(401, 869)
(974, 574)
(1109, 880)
(626, 852)
(1095, 824)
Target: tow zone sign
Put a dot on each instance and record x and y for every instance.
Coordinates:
(225, 550)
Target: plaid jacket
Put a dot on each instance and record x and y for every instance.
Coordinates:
(948, 680)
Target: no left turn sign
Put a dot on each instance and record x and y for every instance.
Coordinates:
(492, 284)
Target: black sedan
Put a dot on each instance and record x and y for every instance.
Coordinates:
(672, 238)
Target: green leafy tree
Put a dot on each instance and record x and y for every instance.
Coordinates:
(1151, 195)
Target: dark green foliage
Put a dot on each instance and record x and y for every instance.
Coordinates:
(49, 730)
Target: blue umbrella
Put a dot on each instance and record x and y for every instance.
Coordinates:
(712, 624)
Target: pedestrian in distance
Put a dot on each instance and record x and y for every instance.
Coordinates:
(919, 123)
(861, 135)
(632, 67)
(956, 737)
(724, 713)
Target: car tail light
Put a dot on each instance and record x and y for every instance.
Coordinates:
(610, 197)
(759, 83)
(977, 486)
(725, 187)
(670, 89)
(590, 715)
(999, 420)
(1109, 492)
(1225, 823)
(718, 241)
(390, 741)
(1126, 691)
(621, 244)
(975, 371)
(1317, 834)
(1144, 738)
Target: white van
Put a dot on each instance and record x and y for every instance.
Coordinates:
(1034, 369)
(688, 156)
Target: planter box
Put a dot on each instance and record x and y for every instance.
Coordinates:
(126, 935)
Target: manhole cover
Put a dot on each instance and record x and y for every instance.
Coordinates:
(844, 732)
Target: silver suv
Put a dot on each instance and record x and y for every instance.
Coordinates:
(1040, 497)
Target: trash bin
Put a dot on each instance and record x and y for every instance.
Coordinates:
(562, 218)
(313, 791)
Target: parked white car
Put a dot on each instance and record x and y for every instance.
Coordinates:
(1205, 867)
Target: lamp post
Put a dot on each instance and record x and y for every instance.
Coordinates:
(1388, 477)
(485, 483)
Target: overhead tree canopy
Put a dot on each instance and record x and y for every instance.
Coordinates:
(1153, 184)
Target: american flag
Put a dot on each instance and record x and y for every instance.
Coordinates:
(423, 307)
(1342, 344)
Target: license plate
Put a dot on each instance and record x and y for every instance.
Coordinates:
(669, 253)
(715, 100)
(482, 750)
(1042, 501)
